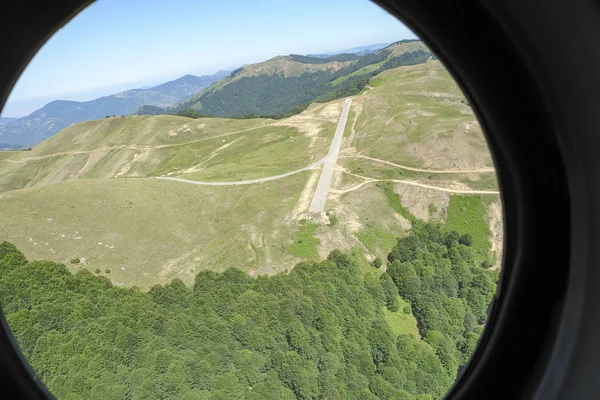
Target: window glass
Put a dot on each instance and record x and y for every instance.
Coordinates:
(248, 200)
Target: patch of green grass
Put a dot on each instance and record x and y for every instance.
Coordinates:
(466, 214)
(8, 154)
(305, 243)
(376, 81)
(394, 201)
(401, 323)
(432, 209)
(333, 219)
(348, 127)
(269, 151)
(75, 261)
(357, 254)
(486, 181)
(375, 238)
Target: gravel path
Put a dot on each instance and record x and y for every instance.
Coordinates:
(320, 197)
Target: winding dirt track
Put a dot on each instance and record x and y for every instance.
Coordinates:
(330, 160)
(431, 171)
(413, 183)
(246, 182)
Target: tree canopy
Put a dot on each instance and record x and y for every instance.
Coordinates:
(315, 332)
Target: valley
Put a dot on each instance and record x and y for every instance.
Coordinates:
(59, 114)
(308, 227)
(244, 188)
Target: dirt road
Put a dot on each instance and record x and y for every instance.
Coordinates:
(330, 160)
(247, 182)
(413, 183)
(431, 171)
(320, 197)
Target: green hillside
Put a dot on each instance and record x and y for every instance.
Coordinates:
(286, 84)
(417, 116)
(148, 231)
(173, 271)
(395, 116)
(213, 149)
(90, 184)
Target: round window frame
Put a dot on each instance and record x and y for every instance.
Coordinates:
(482, 55)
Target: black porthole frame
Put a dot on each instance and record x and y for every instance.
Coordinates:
(492, 54)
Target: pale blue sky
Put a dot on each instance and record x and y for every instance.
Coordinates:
(116, 45)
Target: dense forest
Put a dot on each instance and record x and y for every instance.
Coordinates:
(410, 58)
(315, 332)
(150, 110)
(264, 94)
(278, 96)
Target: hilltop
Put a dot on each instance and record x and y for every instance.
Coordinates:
(278, 87)
(59, 114)
(399, 160)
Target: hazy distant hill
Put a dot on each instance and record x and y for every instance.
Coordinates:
(360, 50)
(59, 114)
(6, 120)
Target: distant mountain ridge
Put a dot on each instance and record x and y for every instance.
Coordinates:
(6, 120)
(276, 88)
(58, 114)
(360, 50)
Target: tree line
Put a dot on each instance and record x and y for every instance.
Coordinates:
(316, 332)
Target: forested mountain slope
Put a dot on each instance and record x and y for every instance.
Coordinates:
(319, 331)
(285, 85)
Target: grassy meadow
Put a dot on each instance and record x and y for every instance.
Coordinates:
(87, 193)
(150, 231)
(418, 116)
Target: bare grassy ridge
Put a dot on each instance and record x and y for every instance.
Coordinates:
(414, 116)
(216, 149)
(372, 169)
(160, 230)
(417, 116)
(8, 155)
(78, 184)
